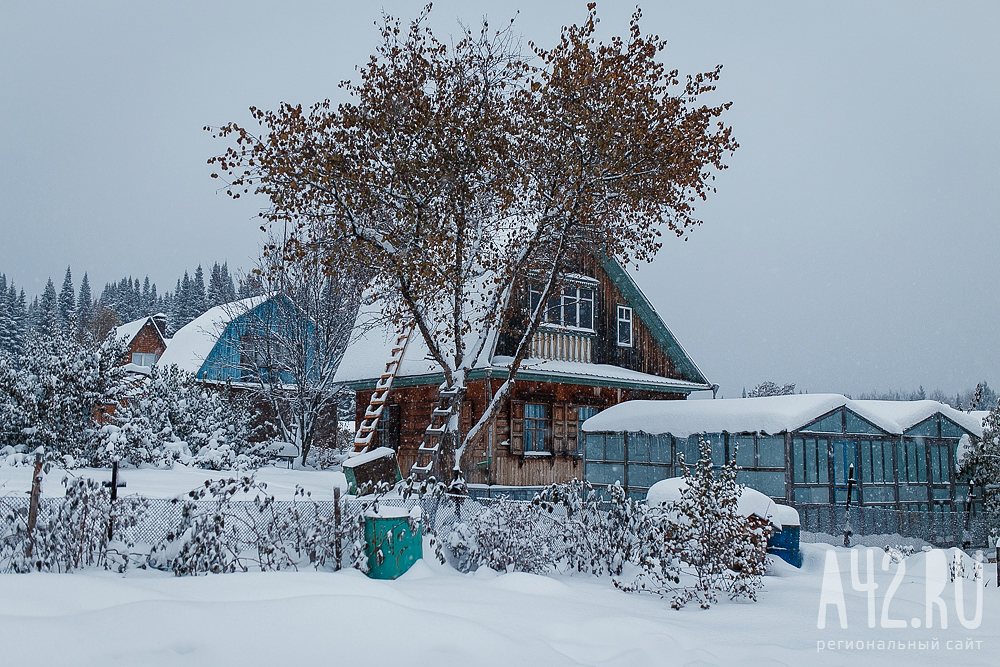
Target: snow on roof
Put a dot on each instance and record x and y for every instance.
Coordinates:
(907, 414)
(130, 330)
(771, 414)
(371, 345)
(583, 371)
(193, 342)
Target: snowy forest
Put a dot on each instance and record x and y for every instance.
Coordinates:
(80, 313)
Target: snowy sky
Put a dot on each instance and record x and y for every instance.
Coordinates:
(851, 245)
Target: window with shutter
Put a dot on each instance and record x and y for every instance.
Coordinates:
(517, 427)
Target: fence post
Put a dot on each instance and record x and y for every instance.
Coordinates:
(114, 497)
(336, 528)
(36, 491)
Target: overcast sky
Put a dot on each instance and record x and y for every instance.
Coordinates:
(852, 244)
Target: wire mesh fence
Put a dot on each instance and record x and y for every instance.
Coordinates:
(887, 526)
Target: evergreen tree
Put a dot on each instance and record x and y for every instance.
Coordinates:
(47, 319)
(229, 289)
(198, 299)
(84, 307)
(6, 317)
(67, 302)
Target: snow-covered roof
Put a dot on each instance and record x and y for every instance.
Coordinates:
(193, 342)
(371, 345)
(771, 414)
(130, 330)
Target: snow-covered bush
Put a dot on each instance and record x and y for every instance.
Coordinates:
(71, 532)
(700, 545)
(505, 536)
(220, 533)
(594, 533)
(51, 394)
(170, 416)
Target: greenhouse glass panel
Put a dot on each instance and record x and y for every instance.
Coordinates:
(614, 447)
(845, 454)
(659, 449)
(879, 494)
(812, 495)
(605, 473)
(771, 451)
(718, 442)
(771, 483)
(799, 460)
(942, 494)
(645, 475)
(691, 450)
(857, 425)
(638, 447)
(939, 464)
(830, 424)
(595, 446)
(908, 492)
(742, 446)
(951, 430)
(928, 428)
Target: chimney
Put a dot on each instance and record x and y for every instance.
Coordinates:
(160, 320)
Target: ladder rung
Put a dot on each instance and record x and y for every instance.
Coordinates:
(364, 439)
(436, 430)
(384, 384)
(377, 399)
(420, 468)
(396, 350)
(368, 424)
(441, 412)
(376, 413)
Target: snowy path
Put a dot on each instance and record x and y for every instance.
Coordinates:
(435, 616)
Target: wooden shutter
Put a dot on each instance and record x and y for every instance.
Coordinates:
(517, 428)
(559, 444)
(573, 447)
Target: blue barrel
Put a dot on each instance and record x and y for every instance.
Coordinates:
(784, 544)
(393, 542)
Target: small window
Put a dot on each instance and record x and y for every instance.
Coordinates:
(536, 425)
(572, 307)
(144, 358)
(624, 326)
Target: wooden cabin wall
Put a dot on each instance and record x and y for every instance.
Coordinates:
(645, 355)
(416, 403)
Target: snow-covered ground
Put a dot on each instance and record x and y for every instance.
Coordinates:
(153, 483)
(436, 616)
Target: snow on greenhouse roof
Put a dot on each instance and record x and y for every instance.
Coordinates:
(771, 414)
(193, 342)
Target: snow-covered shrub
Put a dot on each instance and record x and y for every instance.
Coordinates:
(71, 532)
(50, 395)
(506, 536)
(220, 533)
(593, 533)
(700, 545)
(170, 416)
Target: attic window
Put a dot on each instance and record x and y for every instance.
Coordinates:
(144, 358)
(572, 308)
(624, 326)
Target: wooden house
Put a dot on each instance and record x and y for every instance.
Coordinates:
(146, 342)
(601, 343)
(224, 343)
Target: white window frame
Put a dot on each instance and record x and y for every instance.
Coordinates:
(141, 358)
(555, 317)
(625, 315)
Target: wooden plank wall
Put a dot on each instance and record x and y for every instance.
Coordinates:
(416, 403)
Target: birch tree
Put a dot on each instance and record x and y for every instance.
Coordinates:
(458, 170)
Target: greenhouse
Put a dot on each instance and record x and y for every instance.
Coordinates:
(798, 449)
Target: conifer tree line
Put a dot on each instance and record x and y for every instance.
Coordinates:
(79, 314)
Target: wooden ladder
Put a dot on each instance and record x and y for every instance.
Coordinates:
(429, 452)
(377, 403)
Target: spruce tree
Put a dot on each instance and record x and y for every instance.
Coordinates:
(67, 302)
(84, 307)
(198, 300)
(47, 321)
(6, 319)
